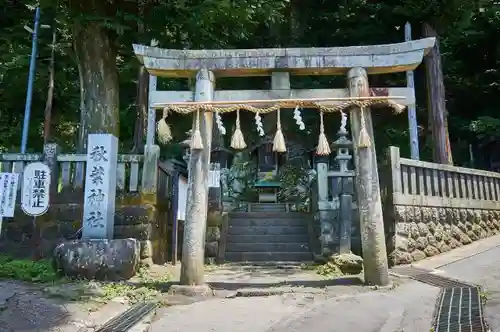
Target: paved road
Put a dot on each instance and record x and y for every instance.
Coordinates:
(409, 307)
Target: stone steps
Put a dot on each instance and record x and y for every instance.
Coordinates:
(266, 222)
(269, 257)
(273, 247)
(235, 230)
(269, 238)
(267, 207)
(268, 235)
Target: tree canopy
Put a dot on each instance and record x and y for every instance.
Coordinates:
(96, 72)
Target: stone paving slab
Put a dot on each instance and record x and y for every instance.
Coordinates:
(337, 308)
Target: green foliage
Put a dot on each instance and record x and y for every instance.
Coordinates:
(469, 34)
(26, 270)
(295, 184)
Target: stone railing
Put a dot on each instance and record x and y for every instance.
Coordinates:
(433, 208)
(68, 170)
(140, 198)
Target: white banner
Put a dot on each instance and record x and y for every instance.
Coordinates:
(8, 193)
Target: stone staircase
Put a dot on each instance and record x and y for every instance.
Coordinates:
(268, 234)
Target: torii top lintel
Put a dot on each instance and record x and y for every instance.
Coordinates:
(376, 59)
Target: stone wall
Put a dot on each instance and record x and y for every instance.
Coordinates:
(422, 232)
(432, 208)
(135, 217)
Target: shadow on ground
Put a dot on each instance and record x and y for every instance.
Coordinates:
(24, 307)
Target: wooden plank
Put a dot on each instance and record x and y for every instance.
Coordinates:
(120, 176)
(160, 98)
(66, 174)
(444, 202)
(449, 168)
(134, 177)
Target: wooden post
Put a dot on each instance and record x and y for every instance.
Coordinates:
(368, 188)
(193, 249)
(412, 112)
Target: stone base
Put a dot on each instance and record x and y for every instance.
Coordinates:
(98, 258)
(195, 290)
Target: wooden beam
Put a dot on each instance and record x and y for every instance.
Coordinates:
(377, 59)
(160, 98)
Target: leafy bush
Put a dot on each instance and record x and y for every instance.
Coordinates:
(26, 270)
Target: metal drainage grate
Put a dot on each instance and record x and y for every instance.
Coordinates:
(129, 318)
(429, 278)
(459, 309)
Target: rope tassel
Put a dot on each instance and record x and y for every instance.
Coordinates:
(163, 129)
(279, 139)
(196, 141)
(238, 141)
(323, 148)
(364, 139)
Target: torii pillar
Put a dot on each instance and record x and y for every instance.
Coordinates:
(375, 59)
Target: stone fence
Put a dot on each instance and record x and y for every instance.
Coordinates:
(432, 208)
(142, 201)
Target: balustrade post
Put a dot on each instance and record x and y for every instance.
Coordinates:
(50, 153)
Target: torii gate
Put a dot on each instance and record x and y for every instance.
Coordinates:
(279, 63)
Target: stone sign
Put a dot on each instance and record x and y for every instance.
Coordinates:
(36, 188)
(100, 187)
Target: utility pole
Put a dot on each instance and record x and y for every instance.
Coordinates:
(31, 79)
(367, 185)
(412, 112)
(193, 249)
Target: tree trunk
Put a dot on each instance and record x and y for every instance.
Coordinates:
(99, 89)
(142, 93)
(438, 118)
(50, 91)
(142, 110)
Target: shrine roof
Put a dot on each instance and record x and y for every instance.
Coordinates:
(376, 59)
